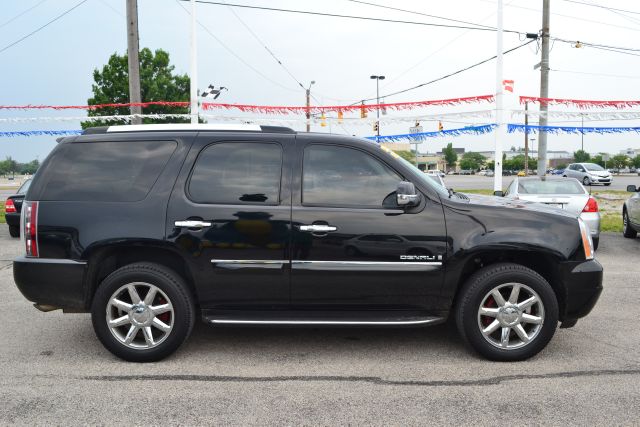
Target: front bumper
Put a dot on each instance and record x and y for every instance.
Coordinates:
(49, 281)
(582, 288)
(600, 180)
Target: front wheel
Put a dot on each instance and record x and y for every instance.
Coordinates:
(507, 312)
(585, 181)
(627, 230)
(143, 312)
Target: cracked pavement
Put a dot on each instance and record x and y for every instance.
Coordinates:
(55, 371)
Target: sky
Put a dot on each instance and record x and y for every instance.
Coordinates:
(55, 65)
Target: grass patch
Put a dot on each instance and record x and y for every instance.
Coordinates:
(611, 221)
(2, 220)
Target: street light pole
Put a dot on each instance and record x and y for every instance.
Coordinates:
(309, 106)
(377, 79)
(582, 133)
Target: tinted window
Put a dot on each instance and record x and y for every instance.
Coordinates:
(564, 186)
(345, 176)
(24, 187)
(237, 172)
(115, 171)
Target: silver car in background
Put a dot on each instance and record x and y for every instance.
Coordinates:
(562, 193)
(588, 173)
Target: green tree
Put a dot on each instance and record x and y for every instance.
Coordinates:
(450, 155)
(409, 156)
(8, 166)
(636, 161)
(581, 156)
(472, 160)
(619, 161)
(30, 168)
(157, 83)
(561, 166)
(598, 159)
(517, 163)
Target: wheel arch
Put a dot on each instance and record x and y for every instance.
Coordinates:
(542, 263)
(104, 260)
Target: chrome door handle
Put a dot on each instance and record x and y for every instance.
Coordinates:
(192, 224)
(318, 228)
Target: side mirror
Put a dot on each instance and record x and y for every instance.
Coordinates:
(498, 193)
(406, 194)
(632, 188)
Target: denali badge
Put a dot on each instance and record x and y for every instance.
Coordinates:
(420, 257)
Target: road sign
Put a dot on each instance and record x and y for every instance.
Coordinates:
(415, 129)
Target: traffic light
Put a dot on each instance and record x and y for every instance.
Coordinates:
(323, 120)
(340, 116)
(440, 128)
(363, 111)
(376, 127)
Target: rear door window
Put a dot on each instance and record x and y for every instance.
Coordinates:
(237, 173)
(111, 171)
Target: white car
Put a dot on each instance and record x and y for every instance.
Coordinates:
(588, 173)
(566, 194)
(435, 172)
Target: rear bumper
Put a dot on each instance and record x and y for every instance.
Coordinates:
(12, 218)
(592, 219)
(583, 286)
(48, 281)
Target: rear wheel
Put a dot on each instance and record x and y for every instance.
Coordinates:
(143, 312)
(507, 312)
(627, 230)
(586, 181)
(14, 231)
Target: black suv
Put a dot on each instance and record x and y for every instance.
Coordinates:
(150, 227)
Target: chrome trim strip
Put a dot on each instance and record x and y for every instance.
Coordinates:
(365, 265)
(235, 264)
(323, 322)
(49, 261)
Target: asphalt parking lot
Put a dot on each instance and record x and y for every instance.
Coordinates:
(54, 370)
(476, 182)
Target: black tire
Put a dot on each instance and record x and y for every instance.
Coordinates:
(14, 230)
(596, 242)
(627, 230)
(475, 290)
(586, 181)
(167, 281)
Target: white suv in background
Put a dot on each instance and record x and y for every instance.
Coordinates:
(588, 173)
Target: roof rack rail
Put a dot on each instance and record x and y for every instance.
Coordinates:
(187, 127)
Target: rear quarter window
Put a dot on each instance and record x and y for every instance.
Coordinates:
(113, 171)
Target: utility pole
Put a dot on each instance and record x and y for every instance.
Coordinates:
(500, 128)
(193, 78)
(133, 49)
(544, 89)
(309, 106)
(526, 138)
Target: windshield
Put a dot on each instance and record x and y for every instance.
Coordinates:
(550, 186)
(424, 178)
(593, 167)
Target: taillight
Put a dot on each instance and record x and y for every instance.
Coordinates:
(9, 207)
(591, 206)
(30, 213)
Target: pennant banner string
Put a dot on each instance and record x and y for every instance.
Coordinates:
(269, 109)
(469, 130)
(580, 103)
(511, 128)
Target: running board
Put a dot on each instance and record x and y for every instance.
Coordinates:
(314, 319)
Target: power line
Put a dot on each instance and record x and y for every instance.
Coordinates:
(448, 75)
(273, 55)
(21, 13)
(42, 27)
(363, 18)
(601, 6)
(421, 13)
(238, 57)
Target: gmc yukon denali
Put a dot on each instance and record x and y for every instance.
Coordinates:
(149, 227)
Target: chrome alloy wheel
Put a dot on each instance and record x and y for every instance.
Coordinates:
(510, 316)
(140, 315)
